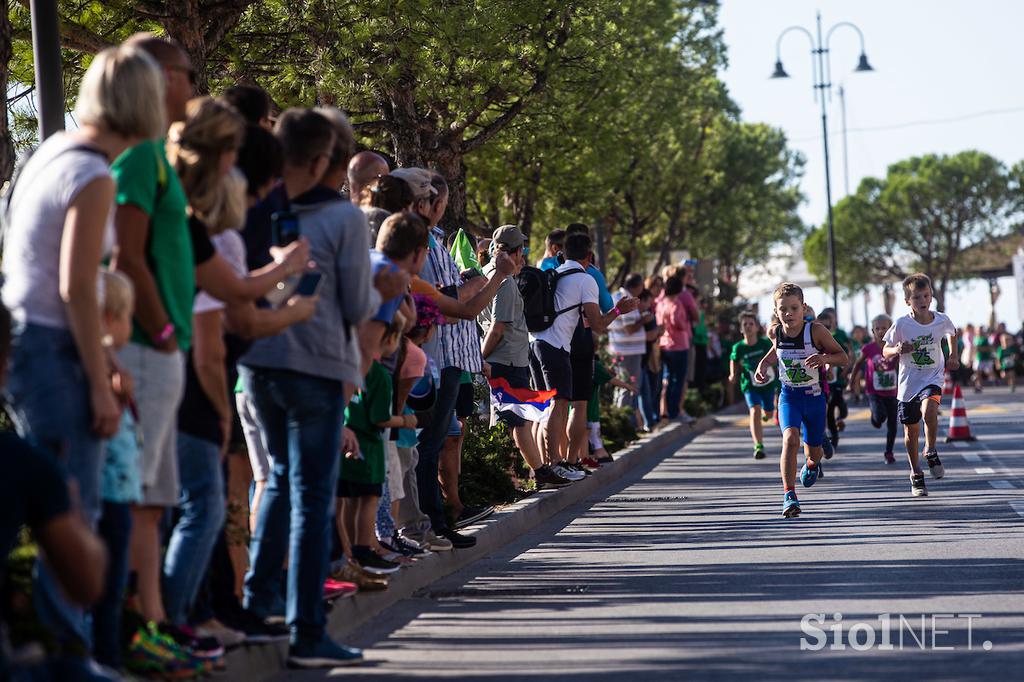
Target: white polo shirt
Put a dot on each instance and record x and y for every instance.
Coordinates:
(572, 291)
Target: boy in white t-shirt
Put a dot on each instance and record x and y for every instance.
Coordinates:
(916, 340)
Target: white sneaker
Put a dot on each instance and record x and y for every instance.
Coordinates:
(227, 637)
(565, 472)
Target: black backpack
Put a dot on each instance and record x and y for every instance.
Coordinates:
(538, 291)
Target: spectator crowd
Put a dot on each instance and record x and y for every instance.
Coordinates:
(205, 304)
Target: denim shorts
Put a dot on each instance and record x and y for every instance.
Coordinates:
(805, 411)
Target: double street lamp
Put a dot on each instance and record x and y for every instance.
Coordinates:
(821, 68)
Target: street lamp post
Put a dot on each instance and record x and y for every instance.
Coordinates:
(821, 67)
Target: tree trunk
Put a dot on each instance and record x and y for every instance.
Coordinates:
(451, 166)
(6, 51)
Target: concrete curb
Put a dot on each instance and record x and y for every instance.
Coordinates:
(257, 662)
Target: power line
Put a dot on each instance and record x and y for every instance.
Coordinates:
(917, 124)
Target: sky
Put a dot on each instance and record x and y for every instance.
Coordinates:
(945, 80)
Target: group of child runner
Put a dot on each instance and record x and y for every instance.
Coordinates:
(903, 368)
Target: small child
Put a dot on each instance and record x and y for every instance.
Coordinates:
(802, 349)
(1007, 355)
(360, 484)
(984, 361)
(122, 479)
(916, 340)
(837, 410)
(599, 455)
(880, 375)
(743, 361)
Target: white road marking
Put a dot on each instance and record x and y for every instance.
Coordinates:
(959, 444)
(971, 457)
(1002, 485)
(984, 470)
(1018, 507)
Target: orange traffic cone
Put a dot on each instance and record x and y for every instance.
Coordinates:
(947, 387)
(959, 427)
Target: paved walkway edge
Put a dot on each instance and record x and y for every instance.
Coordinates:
(258, 662)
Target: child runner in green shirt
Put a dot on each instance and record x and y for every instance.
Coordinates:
(600, 456)
(760, 397)
(1007, 356)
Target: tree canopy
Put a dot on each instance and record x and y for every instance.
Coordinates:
(925, 212)
(538, 112)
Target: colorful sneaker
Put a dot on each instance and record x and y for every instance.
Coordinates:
(790, 505)
(890, 458)
(759, 451)
(152, 654)
(917, 485)
(808, 476)
(336, 589)
(591, 463)
(366, 582)
(934, 465)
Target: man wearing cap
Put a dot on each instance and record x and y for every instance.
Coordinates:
(506, 348)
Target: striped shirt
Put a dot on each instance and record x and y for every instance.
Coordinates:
(457, 344)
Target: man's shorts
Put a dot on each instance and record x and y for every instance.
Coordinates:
(805, 411)
(560, 373)
(909, 411)
(766, 399)
(986, 366)
(517, 377)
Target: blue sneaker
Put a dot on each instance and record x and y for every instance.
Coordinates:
(809, 476)
(324, 653)
(790, 505)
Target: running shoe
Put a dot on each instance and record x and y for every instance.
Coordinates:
(547, 477)
(604, 461)
(472, 514)
(227, 636)
(207, 648)
(371, 563)
(407, 548)
(458, 540)
(917, 485)
(934, 465)
(889, 458)
(826, 447)
(759, 451)
(256, 629)
(809, 476)
(322, 654)
(790, 505)
(366, 582)
(591, 463)
(153, 654)
(577, 466)
(336, 589)
(565, 472)
(764, 417)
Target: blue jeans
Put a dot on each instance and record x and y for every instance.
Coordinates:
(650, 396)
(675, 369)
(115, 529)
(49, 394)
(202, 513)
(430, 442)
(301, 417)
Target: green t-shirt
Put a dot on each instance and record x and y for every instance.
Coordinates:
(145, 179)
(982, 349)
(601, 377)
(700, 331)
(836, 375)
(369, 407)
(1007, 357)
(749, 356)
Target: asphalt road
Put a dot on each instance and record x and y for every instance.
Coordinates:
(688, 571)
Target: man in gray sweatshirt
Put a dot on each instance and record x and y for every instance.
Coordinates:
(297, 382)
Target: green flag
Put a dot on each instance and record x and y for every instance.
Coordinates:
(463, 253)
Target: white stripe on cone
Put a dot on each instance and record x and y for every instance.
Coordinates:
(959, 426)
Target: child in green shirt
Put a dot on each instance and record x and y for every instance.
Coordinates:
(743, 361)
(600, 456)
(360, 484)
(1007, 356)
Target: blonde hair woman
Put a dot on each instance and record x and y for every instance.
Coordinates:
(59, 228)
(202, 149)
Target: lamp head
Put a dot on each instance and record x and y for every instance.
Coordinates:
(863, 65)
(781, 72)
